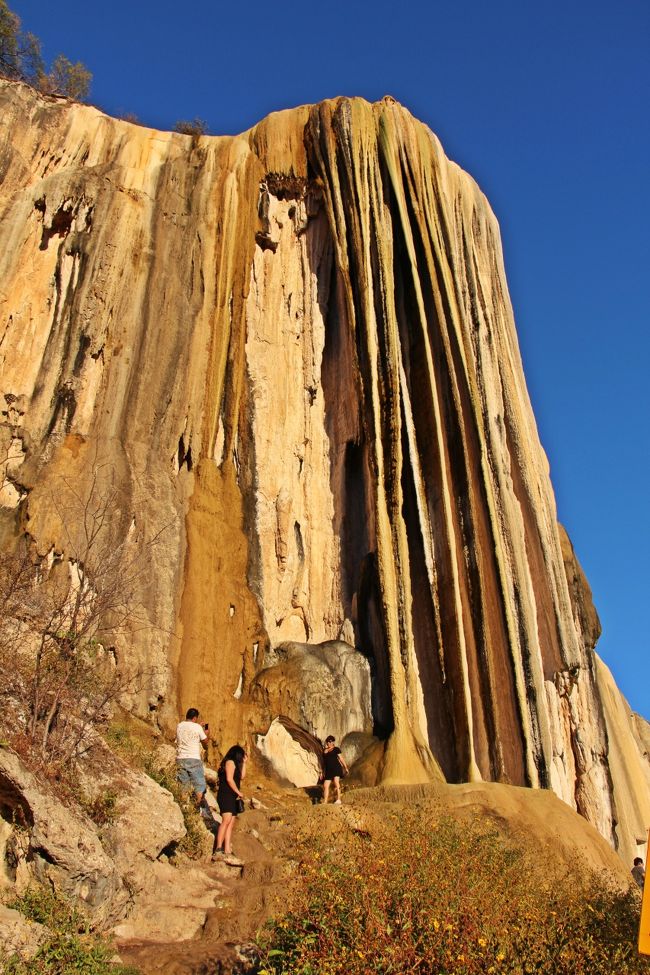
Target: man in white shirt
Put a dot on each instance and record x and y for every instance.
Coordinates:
(190, 737)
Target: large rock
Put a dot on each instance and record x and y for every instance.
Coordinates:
(288, 757)
(18, 935)
(174, 907)
(322, 407)
(54, 844)
(148, 820)
(325, 689)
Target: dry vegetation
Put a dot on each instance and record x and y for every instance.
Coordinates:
(21, 60)
(61, 674)
(441, 898)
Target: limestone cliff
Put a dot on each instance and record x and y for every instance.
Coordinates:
(292, 352)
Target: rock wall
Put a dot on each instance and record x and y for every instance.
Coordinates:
(291, 354)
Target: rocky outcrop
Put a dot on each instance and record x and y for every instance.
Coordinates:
(325, 689)
(114, 872)
(55, 845)
(628, 766)
(18, 936)
(147, 822)
(292, 353)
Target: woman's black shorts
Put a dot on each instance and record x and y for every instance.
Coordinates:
(227, 801)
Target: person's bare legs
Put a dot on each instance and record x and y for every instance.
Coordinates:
(225, 830)
(227, 844)
(326, 790)
(337, 788)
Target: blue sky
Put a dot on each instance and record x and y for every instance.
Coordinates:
(547, 107)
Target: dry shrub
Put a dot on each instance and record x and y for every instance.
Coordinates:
(60, 671)
(445, 899)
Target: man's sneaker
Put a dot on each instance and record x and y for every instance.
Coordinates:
(338, 802)
(233, 861)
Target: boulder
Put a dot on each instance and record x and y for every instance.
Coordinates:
(173, 908)
(323, 688)
(148, 821)
(287, 756)
(18, 935)
(55, 844)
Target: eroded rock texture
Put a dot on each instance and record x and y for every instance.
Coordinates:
(292, 351)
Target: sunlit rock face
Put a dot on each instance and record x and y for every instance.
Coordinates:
(292, 353)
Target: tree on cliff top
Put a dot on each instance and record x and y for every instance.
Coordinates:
(21, 60)
(20, 54)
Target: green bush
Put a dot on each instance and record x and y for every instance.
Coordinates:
(70, 948)
(445, 899)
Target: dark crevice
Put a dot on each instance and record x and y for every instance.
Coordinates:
(184, 456)
(84, 344)
(60, 225)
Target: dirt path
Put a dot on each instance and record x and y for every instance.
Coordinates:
(228, 905)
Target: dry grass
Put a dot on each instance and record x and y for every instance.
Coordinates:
(445, 899)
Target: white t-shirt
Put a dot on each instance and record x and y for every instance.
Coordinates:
(189, 735)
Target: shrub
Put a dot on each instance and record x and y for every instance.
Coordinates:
(102, 809)
(195, 128)
(445, 899)
(70, 948)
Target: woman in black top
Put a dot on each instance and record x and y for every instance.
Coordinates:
(232, 772)
(333, 766)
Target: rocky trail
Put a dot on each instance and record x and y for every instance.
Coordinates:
(206, 920)
(205, 916)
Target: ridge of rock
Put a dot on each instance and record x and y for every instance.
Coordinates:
(293, 352)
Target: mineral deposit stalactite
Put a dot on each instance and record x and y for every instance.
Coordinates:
(294, 351)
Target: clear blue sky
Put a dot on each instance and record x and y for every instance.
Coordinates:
(547, 106)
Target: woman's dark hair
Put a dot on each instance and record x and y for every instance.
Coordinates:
(235, 754)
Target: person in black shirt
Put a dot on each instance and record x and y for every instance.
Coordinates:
(231, 773)
(333, 766)
(638, 872)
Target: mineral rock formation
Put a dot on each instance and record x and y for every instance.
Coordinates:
(309, 685)
(292, 352)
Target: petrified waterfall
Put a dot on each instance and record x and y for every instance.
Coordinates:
(292, 352)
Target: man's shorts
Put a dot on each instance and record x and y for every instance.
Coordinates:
(189, 771)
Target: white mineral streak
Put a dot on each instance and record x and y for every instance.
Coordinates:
(299, 567)
(292, 762)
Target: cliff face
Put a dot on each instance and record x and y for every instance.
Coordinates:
(292, 352)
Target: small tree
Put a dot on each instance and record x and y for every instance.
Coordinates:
(21, 60)
(59, 671)
(20, 54)
(195, 128)
(66, 78)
